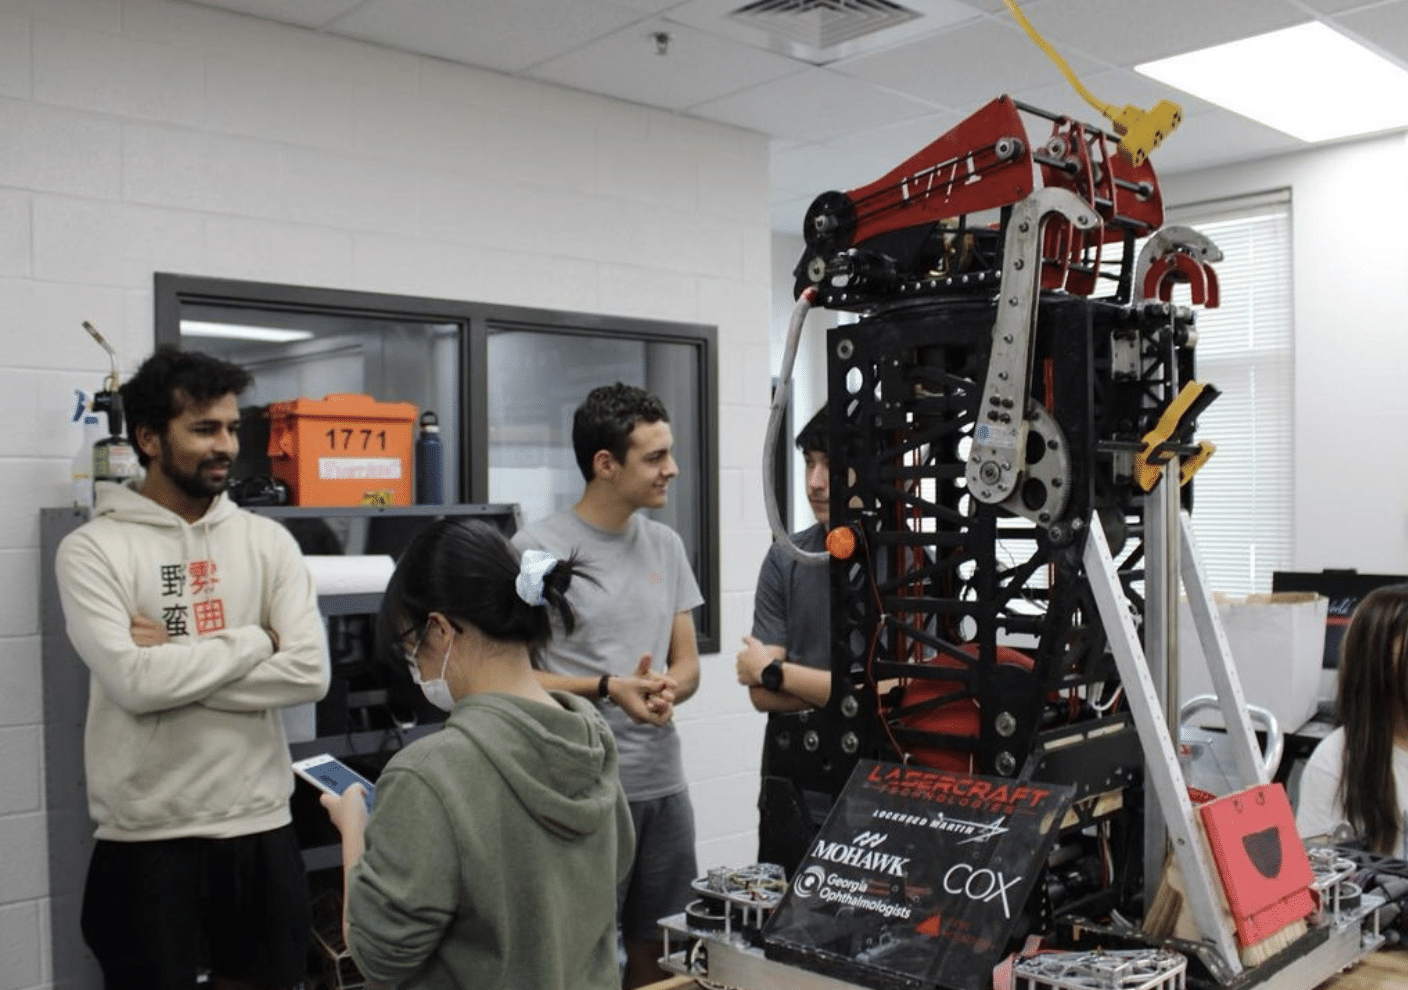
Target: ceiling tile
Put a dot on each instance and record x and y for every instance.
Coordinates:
(305, 13)
(697, 67)
(955, 69)
(812, 105)
(1220, 137)
(1124, 33)
(509, 36)
(1384, 27)
(1335, 6)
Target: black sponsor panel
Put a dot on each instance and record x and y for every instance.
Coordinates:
(918, 879)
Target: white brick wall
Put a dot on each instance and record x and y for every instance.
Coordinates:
(142, 135)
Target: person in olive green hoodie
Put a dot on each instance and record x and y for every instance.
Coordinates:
(494, 847)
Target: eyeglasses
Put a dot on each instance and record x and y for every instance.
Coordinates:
(411, 653)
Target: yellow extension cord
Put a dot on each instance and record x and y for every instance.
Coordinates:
(1141, 131)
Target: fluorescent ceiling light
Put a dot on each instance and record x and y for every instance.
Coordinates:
(234, 331)
(1308, 81)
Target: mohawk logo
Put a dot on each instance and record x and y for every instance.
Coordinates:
(860, 857)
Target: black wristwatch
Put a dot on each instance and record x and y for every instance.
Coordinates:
(771, 676)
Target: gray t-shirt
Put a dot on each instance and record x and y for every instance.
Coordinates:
(644, 581)
(792, 603)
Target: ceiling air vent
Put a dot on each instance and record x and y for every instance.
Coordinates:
(819, 26)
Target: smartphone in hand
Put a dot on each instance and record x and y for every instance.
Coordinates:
(331, 775)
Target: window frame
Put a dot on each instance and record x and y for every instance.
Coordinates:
(477, 320)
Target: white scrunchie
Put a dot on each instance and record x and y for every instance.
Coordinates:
(531, 570)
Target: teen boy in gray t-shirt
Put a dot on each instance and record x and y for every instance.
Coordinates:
(634, 647)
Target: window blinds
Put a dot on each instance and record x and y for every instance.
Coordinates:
(1242, 498)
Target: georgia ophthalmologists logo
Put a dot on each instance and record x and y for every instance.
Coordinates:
(809, 881)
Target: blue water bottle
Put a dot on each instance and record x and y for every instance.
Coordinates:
(428, 462)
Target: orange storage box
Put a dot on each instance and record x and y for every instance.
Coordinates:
(343, 450)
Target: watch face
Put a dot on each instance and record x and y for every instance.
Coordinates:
(771, 676)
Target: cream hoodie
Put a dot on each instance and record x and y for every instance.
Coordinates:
(185, 738)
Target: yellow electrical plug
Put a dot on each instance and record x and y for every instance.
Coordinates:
(1142, 131)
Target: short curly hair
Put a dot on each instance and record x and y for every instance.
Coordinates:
(170, 379)
(605, 419)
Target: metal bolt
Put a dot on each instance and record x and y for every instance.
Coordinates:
(844, 349)
(990, 473)
(811, 742)
(1006, 763)
(850, 707)
(849, 743)
(1005, 723)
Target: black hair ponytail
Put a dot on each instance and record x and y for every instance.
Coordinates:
(468, 571)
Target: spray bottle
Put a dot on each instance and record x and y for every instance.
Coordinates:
(83, 457)
(113, 457)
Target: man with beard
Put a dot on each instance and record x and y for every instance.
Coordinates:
(198, 621)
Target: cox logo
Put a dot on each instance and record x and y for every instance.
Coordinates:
(809, 881)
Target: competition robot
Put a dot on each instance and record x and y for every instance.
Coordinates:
(1013, 406)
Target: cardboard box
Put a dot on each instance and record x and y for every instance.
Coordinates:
(1277, 643)
(343, 450)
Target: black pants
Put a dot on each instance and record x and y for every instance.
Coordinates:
(158, 915)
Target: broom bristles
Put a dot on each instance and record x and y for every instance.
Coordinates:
(1169, 916)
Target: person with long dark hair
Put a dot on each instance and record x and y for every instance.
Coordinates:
(493, 851)
(1357, 778)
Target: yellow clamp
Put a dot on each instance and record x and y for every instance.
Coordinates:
(1190, 465)
(1192, 399)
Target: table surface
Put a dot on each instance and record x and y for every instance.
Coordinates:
(1378, 971)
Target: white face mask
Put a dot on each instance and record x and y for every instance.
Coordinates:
(436, 691)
